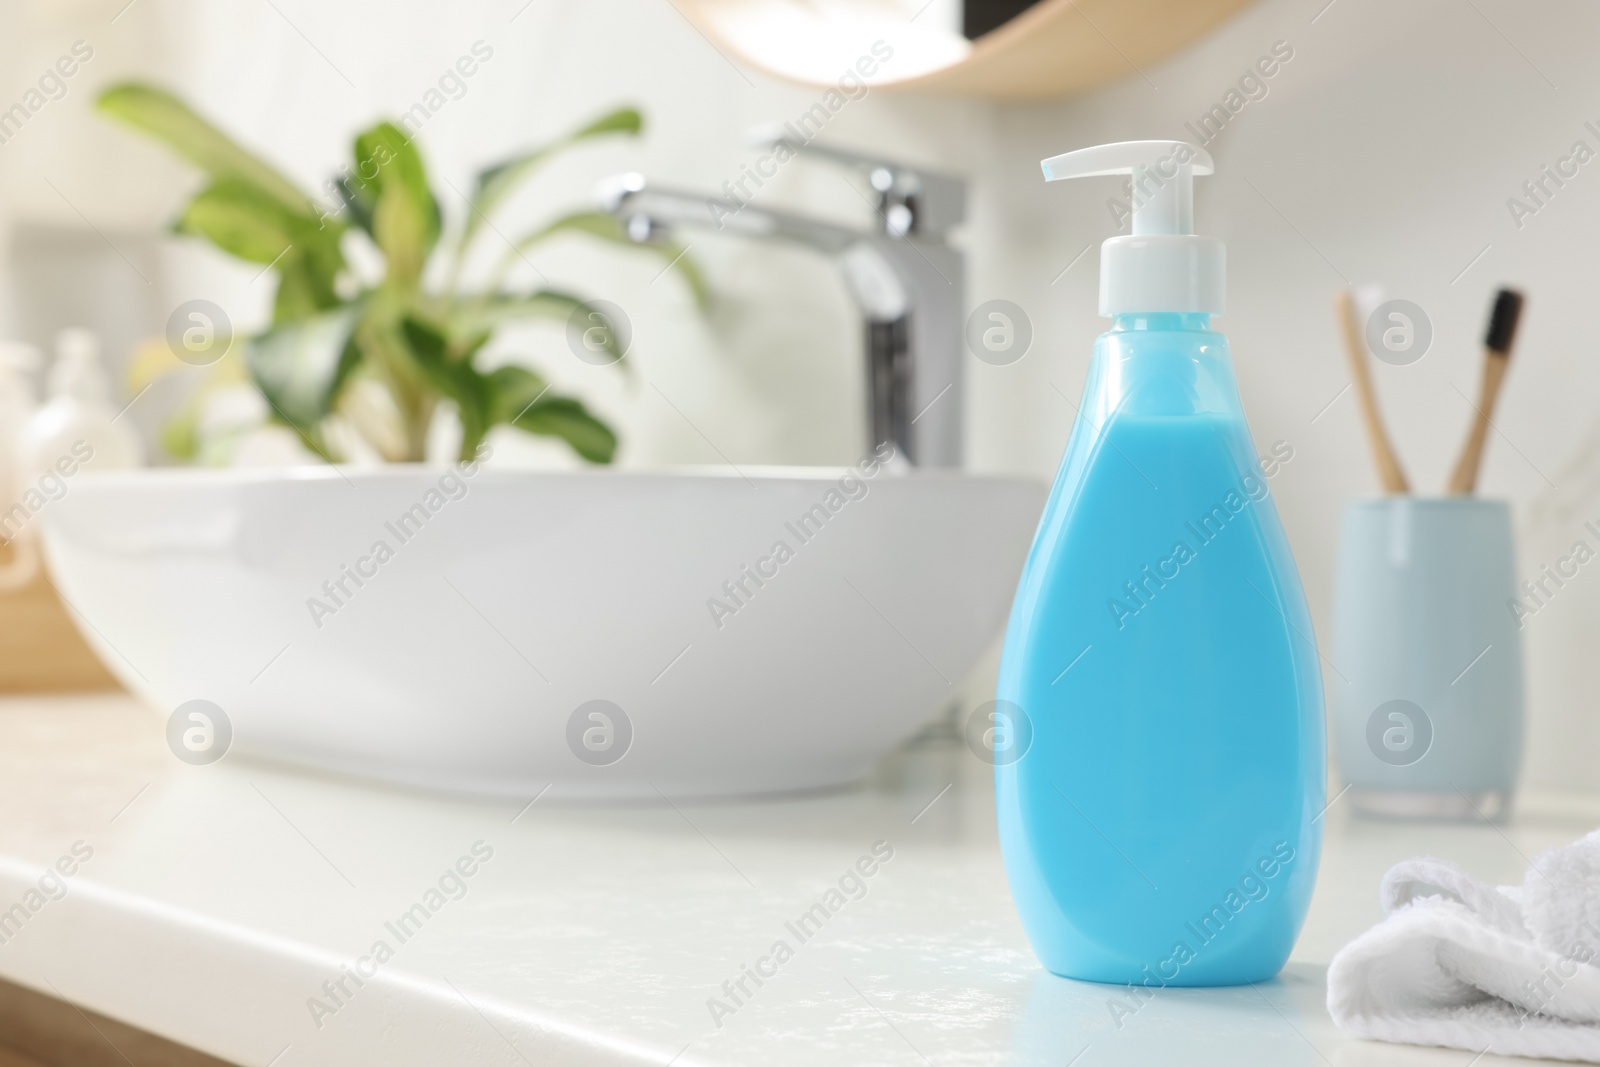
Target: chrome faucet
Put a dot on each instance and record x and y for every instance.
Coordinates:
(904, 275)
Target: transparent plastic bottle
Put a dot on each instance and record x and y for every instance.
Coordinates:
(78, 419)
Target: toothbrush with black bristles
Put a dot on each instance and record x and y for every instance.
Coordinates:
(1496, 358)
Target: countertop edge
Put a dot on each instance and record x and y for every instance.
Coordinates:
(231, 992)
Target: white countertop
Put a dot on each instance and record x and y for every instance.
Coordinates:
(219, 899)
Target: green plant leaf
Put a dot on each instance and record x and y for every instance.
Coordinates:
(179, 434)
(492, 310)
(509, 394)
(568, 419)
(609, 228)
(301, 366)
(453, 374)
(389, 187)
(513, 388)
(594, 223)
(240, 219)
(490, 313)
(499, 181)
(359, 207)
(168, 119)
(303, 291)
(244, 221)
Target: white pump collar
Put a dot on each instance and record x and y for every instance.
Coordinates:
(1162, 266)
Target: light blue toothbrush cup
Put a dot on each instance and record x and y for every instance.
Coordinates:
(1426, 677)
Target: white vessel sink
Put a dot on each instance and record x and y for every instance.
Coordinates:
(461, 661)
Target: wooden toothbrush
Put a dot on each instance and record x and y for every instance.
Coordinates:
(1496, 358)
(1355, 350)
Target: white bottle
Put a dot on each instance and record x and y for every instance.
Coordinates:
(79, 409)
(18, 364)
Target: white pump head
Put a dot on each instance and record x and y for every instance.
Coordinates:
(1162, 266)
(77, 371)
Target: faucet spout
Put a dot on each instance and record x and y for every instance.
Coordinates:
(909, 303)
(646, 210)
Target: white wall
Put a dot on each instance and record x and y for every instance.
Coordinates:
(1384, 152)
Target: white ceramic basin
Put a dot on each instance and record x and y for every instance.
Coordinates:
(463, 658)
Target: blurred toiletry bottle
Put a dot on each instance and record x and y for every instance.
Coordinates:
(78, 425)
(18, 365)
(1158, 807)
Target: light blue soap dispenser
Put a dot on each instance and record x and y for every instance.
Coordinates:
(1161, 825)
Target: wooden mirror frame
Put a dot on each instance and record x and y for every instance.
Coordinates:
(1052, 49)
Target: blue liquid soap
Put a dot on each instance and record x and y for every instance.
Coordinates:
(1159, 828)
(1164, 770)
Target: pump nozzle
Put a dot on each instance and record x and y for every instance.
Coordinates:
(1162, 178)
(1162, 266)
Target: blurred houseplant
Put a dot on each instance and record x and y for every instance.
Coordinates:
(378, 355)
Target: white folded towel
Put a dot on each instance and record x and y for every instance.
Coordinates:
(1514, 970)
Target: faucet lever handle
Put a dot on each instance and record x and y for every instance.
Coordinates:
(914, 200)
